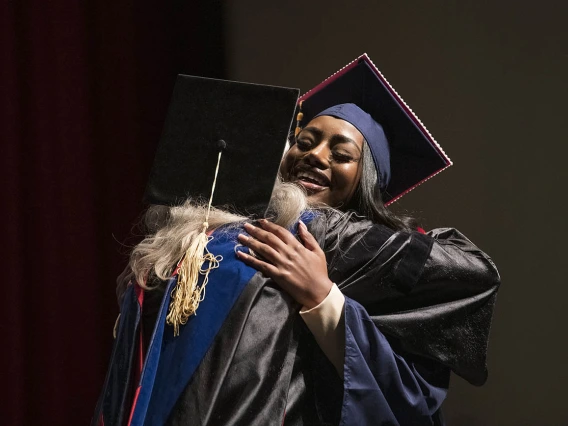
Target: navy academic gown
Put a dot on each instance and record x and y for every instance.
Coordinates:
(416, 307)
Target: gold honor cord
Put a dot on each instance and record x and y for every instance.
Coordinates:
(299, 119)
(187, 295)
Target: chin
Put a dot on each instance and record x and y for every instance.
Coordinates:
(316, 200)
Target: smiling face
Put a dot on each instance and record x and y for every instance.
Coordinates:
(325, 160)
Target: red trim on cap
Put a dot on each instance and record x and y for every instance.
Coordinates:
(392, 200)
(364, 57)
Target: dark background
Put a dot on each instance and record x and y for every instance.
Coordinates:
(84, 90)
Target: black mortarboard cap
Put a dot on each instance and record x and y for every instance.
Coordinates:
(414, 154)
(250, 122)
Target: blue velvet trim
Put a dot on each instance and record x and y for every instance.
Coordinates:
(113, 402)
(148, 376)
(171, 361)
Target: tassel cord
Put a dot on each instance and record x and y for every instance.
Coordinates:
(187, 294)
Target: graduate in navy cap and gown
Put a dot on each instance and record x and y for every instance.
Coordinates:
(334, 311)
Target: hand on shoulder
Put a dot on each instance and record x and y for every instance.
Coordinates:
(299, 267)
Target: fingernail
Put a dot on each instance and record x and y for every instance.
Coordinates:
(248, 226)
(303, 224)
(242, 237)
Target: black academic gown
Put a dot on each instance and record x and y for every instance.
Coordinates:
(417, 306)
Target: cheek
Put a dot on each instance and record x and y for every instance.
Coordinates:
(287, 163)
(347, 176)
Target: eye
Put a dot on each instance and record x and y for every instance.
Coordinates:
(342, 157)
(303, 144)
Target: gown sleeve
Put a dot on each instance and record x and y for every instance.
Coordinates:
(326, 323)
(386, 386)
(416, 307)
(445, 314)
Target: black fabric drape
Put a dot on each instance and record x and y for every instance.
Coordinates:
(85, 86)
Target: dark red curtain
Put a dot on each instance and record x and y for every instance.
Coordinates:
(84, 89)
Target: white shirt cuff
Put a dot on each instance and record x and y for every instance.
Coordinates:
(327, 324)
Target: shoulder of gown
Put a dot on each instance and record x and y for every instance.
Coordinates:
(431, 294)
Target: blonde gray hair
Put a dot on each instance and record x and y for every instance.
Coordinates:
(171, 229)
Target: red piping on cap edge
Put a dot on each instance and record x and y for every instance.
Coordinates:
(405, 106)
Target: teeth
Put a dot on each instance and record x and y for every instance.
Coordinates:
(309, 175)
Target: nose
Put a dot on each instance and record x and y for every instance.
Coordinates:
(318, 156)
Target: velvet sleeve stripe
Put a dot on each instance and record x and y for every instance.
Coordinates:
(409, 269)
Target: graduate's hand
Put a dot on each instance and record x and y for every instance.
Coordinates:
(300, 269)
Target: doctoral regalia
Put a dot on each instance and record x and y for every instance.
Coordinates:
(417, 306)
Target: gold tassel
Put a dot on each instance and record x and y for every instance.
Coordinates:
(299, 118)
(187, 295)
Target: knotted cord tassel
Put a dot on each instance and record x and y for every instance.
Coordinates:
(299, 118)
(187, 294)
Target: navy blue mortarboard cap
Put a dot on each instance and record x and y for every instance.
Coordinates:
(414, 154)
(373, 134)
(249, 123)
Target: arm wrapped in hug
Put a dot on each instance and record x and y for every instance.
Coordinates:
(432, 294)
(416, 307)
